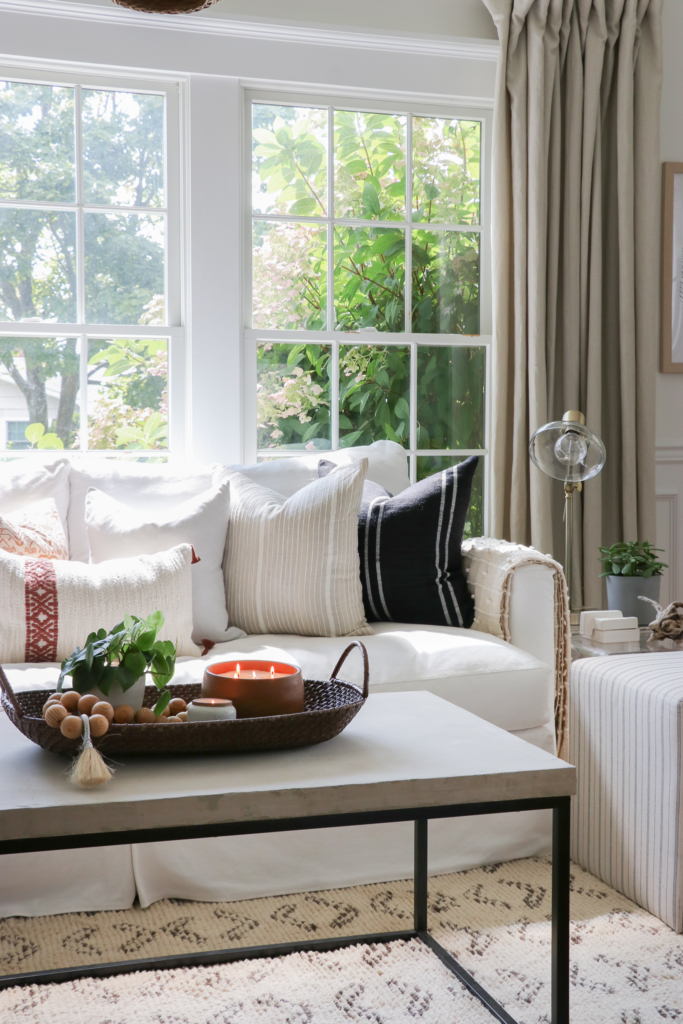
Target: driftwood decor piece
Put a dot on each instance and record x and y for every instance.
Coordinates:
(166, 6)
(668, 623)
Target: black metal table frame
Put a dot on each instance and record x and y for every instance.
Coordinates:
(420, 815)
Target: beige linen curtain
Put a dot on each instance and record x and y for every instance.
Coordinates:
(575, 261)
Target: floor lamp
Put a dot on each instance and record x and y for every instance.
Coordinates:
(568, 451)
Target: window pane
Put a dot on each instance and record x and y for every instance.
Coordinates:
(369, 165)
(128, 395)
(289, 276)
(123, 148)
(369, 279)
(293, 396)
(450, 396)
(124, 266)
(446, 170)
(445, 282)
(289, 160)
(374, 394)
(38, 265)
(39, 393)
(474, 524)
(37, 142)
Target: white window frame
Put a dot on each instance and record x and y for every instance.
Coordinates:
(252, 336)
(173, 331)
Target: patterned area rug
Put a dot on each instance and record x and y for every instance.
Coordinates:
(627, 967)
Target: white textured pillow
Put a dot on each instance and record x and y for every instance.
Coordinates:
(49, 607)
(387, 466)
(118, 531)
(148, 488)
(29, 480)
(292, 564)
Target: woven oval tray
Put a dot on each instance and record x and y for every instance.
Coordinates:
(329, 706)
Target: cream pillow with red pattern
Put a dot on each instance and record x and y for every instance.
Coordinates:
(50, 606)
(35, 531)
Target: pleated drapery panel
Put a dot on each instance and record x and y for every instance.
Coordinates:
(575, 262)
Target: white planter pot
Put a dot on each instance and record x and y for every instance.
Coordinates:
(133, 697)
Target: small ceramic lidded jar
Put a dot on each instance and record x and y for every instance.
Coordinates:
(210, 709)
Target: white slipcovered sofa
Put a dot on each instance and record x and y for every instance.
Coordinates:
(509, 669)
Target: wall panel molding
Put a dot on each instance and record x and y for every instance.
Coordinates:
(669, 481)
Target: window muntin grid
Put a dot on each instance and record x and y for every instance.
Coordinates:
(409, 337)
(156, 212)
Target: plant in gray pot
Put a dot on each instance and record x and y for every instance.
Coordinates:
(632, 570)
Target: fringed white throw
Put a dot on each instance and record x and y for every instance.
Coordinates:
(491, 565)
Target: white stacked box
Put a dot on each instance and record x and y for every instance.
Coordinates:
(626, 740)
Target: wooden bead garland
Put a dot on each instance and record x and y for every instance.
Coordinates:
(71, 727)
(54, 714)
(87, 703)
(70, 700)
(98, 725)
(124, 714)
(103, 708)
(145, 716)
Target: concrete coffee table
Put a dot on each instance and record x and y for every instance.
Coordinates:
(405, 757)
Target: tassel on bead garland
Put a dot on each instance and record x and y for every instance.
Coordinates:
(89, 768)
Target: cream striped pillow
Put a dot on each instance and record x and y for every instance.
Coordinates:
(292, 563)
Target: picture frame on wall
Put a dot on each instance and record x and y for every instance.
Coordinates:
(671, 356)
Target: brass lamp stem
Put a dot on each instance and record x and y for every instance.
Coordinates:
(569, 489)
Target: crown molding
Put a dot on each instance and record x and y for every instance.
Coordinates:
(471, 49)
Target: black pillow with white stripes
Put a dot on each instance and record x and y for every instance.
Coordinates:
(410, 549)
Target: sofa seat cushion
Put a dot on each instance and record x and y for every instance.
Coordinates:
(478, 672)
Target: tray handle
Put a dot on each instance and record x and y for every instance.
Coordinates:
(9, 692)
(366, 666)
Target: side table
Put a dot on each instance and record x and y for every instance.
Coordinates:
(584, 647)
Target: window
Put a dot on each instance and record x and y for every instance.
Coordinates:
(89, 265)
(369, 282)
(16, 434)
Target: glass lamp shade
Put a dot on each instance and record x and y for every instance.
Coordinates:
(567, 450)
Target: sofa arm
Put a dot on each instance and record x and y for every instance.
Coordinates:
(520, 595)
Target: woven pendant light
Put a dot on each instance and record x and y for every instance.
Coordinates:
(166, 6)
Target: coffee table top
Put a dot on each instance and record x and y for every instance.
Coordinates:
(403, 750)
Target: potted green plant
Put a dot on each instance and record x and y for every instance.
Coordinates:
(632, 570)
(114, 665)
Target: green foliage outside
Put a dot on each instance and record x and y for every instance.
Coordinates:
(290, 277)
(290, 260)
(122, 165)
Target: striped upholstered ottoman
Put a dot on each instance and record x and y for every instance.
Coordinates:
(626, 740)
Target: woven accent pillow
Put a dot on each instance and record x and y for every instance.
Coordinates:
(36, 531)
(49, 607)
(410, 549)
(116, 530)
(292, 563)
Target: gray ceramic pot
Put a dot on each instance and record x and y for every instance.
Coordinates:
(623, 593)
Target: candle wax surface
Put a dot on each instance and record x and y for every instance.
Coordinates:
(254, 673)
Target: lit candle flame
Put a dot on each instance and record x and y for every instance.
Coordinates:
(237, 673)
(272, 671)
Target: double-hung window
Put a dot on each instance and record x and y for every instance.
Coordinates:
(368, 294)
(89, 266)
